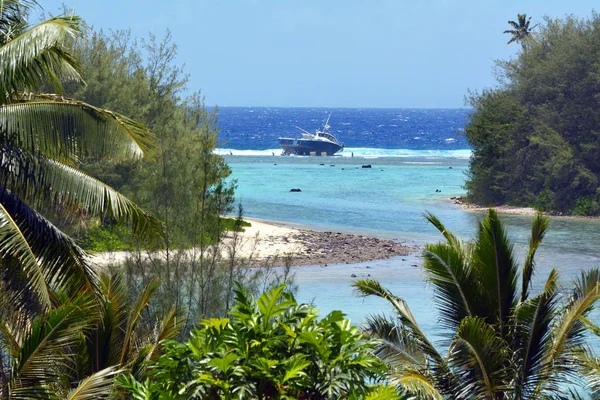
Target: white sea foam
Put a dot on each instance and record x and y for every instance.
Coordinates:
(365, 152)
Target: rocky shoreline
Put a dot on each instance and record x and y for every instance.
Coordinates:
(323, 248)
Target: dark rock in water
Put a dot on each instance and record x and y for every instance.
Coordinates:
(367, 166)
(415, 265)
(342, 169)
(332, 165)
(274, 164)
(321, 164)
(295, 190)
(449, 167)
(353, 276)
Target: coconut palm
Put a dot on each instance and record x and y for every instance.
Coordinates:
(43, 138)
(81, 343)
(121, 337)
(521, 30)
(503, 343)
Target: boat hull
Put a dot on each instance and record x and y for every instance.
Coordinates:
(304, 147)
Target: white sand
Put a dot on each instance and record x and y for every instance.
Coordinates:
(260, 241)
(502, 209)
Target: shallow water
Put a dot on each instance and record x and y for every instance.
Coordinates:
(387, 201)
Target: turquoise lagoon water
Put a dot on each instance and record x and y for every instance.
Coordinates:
(387, 201)
(413, 153)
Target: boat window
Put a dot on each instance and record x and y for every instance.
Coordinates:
(328, 136)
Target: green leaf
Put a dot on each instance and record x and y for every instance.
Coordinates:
(294, 367)
(37, 55)
(96, 386)
(224, 363)
(481, 355)
(271, 304)
(65, 129)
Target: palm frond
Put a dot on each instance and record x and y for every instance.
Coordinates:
(591, 371)
(416, 383)
(168, 329)
(99, 385)
(538, 231)
(533, 323)
(456, 290)
(514, 24)
(134, 316)
(44, 352)
(494, 264)
(569, 333)
(36, 179)
(106, 341)
(57, 257)
(36, 56)
(65, 129)
(15, 245)
(370, 287)
(396, 346)
(452, 240)
(481, 356)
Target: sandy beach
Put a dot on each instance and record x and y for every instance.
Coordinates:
(275, 243)
(512, 210)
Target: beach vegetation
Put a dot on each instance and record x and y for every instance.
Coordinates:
(187, 186)
(505, 339)
(43, 139)
(521, 29)
(535, 136)
(270, 347)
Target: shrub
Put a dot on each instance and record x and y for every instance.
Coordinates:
(269, 348)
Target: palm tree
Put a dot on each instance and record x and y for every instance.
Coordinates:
(43, 137)
(502, 343)
(81, 343)
(521, 30)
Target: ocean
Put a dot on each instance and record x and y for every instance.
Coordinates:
(419, 160)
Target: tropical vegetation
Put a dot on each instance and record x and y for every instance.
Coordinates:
(70, 331)
(505, 339)
(521, 30)
(65, 330)
(268, 348)
(535, 136)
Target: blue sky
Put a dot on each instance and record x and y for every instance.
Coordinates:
(329, 53)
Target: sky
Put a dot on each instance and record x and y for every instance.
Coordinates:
(329, 53)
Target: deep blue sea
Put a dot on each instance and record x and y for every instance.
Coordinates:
(419, 160)
(363, 128)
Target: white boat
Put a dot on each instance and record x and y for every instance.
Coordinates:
(322, 142)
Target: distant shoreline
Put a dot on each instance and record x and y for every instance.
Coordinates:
(512, 210)
(278, 244)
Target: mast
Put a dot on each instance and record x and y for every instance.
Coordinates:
(326, 126)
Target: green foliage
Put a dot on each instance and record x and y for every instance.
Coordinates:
(268, 348)
(231, 224)
(106, 238)
(502, 344)
(186, 186)
(535, 138)
(521, 30)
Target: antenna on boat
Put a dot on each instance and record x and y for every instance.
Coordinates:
(326, 126)
(305, 131)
